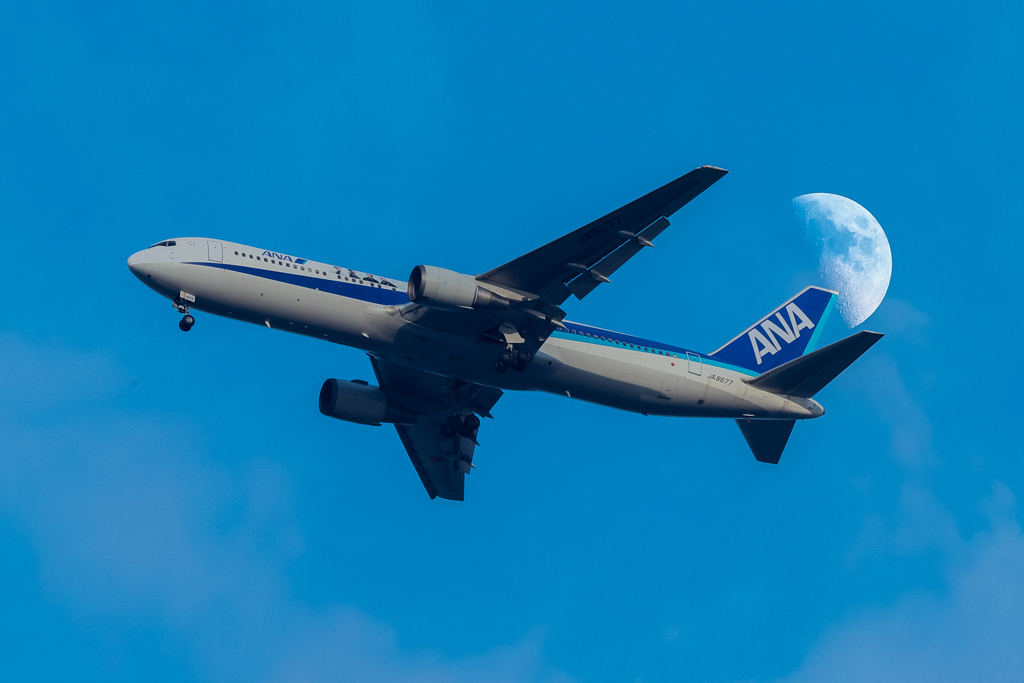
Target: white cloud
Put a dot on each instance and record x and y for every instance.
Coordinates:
(973, 631)
(346, 645)
(973, 628)
(881, 384)
(129, 525)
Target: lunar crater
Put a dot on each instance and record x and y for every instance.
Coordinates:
(854, 257)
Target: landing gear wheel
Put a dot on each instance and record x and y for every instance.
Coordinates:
(500, 365)
(186, 323)
(451, 426)
(469, 425)
(525, 356)
(508, 356)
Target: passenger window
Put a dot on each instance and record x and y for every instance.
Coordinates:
(236, 253)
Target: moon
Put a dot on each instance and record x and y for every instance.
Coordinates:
(854, 255)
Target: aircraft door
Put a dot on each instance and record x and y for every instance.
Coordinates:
(216, 251)
(693, 363)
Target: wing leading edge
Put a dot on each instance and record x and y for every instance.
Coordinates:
(577, 262)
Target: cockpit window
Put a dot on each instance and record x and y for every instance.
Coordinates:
(168, 243)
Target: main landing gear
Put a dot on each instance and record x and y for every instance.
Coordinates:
(188, 321)
(512, 357)
(466, 426)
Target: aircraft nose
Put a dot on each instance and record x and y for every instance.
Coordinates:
(137, 263)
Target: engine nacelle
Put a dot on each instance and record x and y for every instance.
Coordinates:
(359, 402)
(434, 286)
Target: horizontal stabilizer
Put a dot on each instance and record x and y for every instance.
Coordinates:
(807, 375)
(767, 438)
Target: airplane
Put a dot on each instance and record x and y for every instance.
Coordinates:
(442, 343)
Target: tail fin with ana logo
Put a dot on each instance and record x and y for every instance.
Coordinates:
(788, 332)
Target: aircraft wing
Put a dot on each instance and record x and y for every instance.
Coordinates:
(576, 263)
(442, 463)
(573, 264)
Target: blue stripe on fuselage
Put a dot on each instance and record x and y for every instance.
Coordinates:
(331, 286)
(600, 337)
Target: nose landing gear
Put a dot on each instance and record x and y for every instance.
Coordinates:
(181, 305)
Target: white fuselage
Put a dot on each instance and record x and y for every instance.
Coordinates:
(374, 314)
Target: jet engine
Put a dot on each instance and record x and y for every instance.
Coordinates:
(442, 288)
(359, 402)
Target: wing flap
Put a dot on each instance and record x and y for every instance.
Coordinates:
(588, 281)
(443, 473)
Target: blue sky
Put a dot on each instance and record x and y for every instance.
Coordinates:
(173, 507)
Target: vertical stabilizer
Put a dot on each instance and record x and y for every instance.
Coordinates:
(788, 332)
